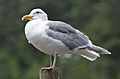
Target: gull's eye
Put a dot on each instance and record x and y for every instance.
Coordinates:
(38, 12)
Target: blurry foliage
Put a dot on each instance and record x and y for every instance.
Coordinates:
(99, 19)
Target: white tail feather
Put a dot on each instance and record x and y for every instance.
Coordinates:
(89, 58)
(90, 55)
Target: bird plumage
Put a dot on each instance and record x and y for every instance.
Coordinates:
(56, 37)
(67, 34)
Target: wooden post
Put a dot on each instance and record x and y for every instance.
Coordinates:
(50, 73)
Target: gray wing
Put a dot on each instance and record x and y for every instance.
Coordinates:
(71, 37)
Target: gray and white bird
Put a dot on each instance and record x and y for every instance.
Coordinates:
(58, 38)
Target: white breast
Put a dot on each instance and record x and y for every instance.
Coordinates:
(36, 34)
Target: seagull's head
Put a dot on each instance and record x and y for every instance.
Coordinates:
(35, 14)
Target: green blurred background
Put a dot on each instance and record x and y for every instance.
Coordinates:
(99, 19)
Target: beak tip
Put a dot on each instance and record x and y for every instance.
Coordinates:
(22, 19)
(26, 18)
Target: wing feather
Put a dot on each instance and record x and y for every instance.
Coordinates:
(71, 37)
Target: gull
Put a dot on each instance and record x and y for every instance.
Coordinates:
(57, 38)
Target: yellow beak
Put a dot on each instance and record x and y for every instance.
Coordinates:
(26, 18)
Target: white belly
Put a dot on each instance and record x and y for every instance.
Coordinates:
(48, 45)
(37, 37)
